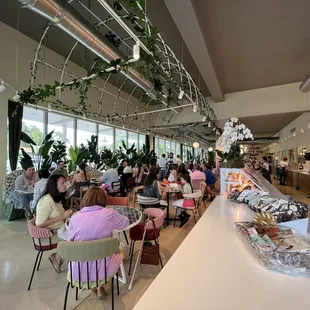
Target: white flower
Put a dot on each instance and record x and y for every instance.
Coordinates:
(240, 136)
(242, 126)
(234, 119)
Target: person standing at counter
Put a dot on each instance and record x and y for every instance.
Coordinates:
(265, 169)
(283, 170)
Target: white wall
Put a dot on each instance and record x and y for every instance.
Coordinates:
(263, 101)
(301, 136)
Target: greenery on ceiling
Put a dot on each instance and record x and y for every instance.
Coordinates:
(149, 66)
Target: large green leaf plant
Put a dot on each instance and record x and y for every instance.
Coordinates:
(39, 157)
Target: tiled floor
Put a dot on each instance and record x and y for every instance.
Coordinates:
(16, 262)
(17, 258)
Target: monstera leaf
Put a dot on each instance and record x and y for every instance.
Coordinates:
(26, 160)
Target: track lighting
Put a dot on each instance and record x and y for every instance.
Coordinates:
(204, 118)
(209, 124)
(181, 94)
(135, 53)
(49, 107)
(195, 107)
(84, 115)
(2, 87)
(16, 97)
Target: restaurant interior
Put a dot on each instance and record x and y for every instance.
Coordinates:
(155, 153)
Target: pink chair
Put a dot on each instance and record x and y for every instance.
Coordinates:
(158, 217)
(196, 183)
(118, 201)
(38, 234)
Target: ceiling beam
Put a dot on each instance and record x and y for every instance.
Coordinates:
(185, 17)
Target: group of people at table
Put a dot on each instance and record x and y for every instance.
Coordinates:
(94, 221)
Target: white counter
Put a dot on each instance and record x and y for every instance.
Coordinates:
(212, 269)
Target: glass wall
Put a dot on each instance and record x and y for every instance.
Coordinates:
(37, 123)
(141, 141)
(133, 139)
(63, 127)
(33, 125)
(84, 131)
(106, 137)
(120, 135)
(161, 147)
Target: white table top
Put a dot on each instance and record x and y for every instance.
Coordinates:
(212, 269)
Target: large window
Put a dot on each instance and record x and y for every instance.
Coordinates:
(156, 146)
(120, 135)
(168, 148)
(161, 147)
(173, 148)
(141, 141)
(63, 127)
(84, 132)
(106, 137)
(33, 125)
(178, 149)
(133, 139)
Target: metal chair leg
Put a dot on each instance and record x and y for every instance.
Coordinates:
(40, 261)
(125, 235)
(175, 216)
(76, 293)
(161, 262)
(131, 255)
(34, 268)
(66, 296)
(117, 283)
(194, 216)
(112, 289)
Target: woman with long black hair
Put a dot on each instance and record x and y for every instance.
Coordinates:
(80, 179)
(50, 213)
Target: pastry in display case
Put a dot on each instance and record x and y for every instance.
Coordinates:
(248, 186)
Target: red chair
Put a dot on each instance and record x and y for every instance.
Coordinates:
(118, 201)
(38, 234)
(146, 232)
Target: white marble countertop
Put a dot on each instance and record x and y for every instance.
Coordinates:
(212, 269)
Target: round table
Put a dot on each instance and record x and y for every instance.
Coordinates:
(134, 217)
(132, 214)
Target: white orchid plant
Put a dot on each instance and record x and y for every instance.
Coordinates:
(234, 131)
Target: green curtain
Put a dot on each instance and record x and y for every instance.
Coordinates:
(15, 116)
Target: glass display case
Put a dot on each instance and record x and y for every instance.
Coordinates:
(235, 178)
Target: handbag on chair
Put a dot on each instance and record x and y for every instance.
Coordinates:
(150, 253)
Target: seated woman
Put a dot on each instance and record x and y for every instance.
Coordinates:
(152, 188)
(95, 222)
(139, 173)
(173, 176)
(50, 213)
(81, 179)
(186, 202)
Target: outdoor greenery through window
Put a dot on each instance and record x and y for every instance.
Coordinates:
(84, 131)
(106, 137)
(74, 132)
(63, 127)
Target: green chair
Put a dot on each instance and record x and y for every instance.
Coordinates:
(88, 252)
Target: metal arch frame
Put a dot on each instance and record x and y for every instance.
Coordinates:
(34, 65)
(64, 67)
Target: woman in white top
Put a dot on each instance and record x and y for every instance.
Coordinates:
(39, 187)
(282, 170)
(173, 176)
(181, 203)
(50, 213)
